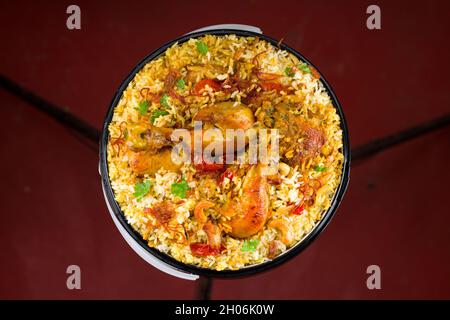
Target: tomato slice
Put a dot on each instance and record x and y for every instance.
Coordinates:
(202, 165)
(200, 86)
(204, 250)
(314, 72)
(298, 209)
(227, 174)
(209, 166)
(268, 86)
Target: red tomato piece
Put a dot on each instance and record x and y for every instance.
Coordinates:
(227, 174)
(268, 86)
(200, 86)
(203, 249)
(298, 209)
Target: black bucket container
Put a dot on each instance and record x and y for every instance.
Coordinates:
(165, 262)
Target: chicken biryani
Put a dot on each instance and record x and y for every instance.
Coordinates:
(224, 212)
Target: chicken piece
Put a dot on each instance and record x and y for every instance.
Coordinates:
(293, 129)
(146, 137)
(142, 136)
(147, 162)
(313, 142)
(147, 143)
(249, 211)
(225, 115)
(222, 116)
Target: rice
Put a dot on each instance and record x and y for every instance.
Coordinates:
(307, 180)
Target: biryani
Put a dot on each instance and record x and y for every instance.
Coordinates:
(224, 211)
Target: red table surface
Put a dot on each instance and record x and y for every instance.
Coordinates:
(395, 213)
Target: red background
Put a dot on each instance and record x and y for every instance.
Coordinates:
(395, 213)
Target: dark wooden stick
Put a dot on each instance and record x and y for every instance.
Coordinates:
(204, 288)
(54, 111)
(378, 145)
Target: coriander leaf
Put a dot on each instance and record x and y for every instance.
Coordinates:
(304, 67)
(250, 245)
(289, 72)
(156, 114)
(181, 84)
(164, 100)
(320, 168)
(141, 189)
(179, 189)
(202, 47)
(143, 107)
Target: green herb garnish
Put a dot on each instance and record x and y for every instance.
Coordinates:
(141, 189)
(180, 84)
(164, 101)
(143, 107)
(319, 168)
(250, 245)
(156, 114)
(179, 189)
(289, 72)
(202, 47)
(304, 67)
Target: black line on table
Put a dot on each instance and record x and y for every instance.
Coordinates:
(378, 145)
(56, 112)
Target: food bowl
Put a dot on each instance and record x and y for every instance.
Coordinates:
(165, 262)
